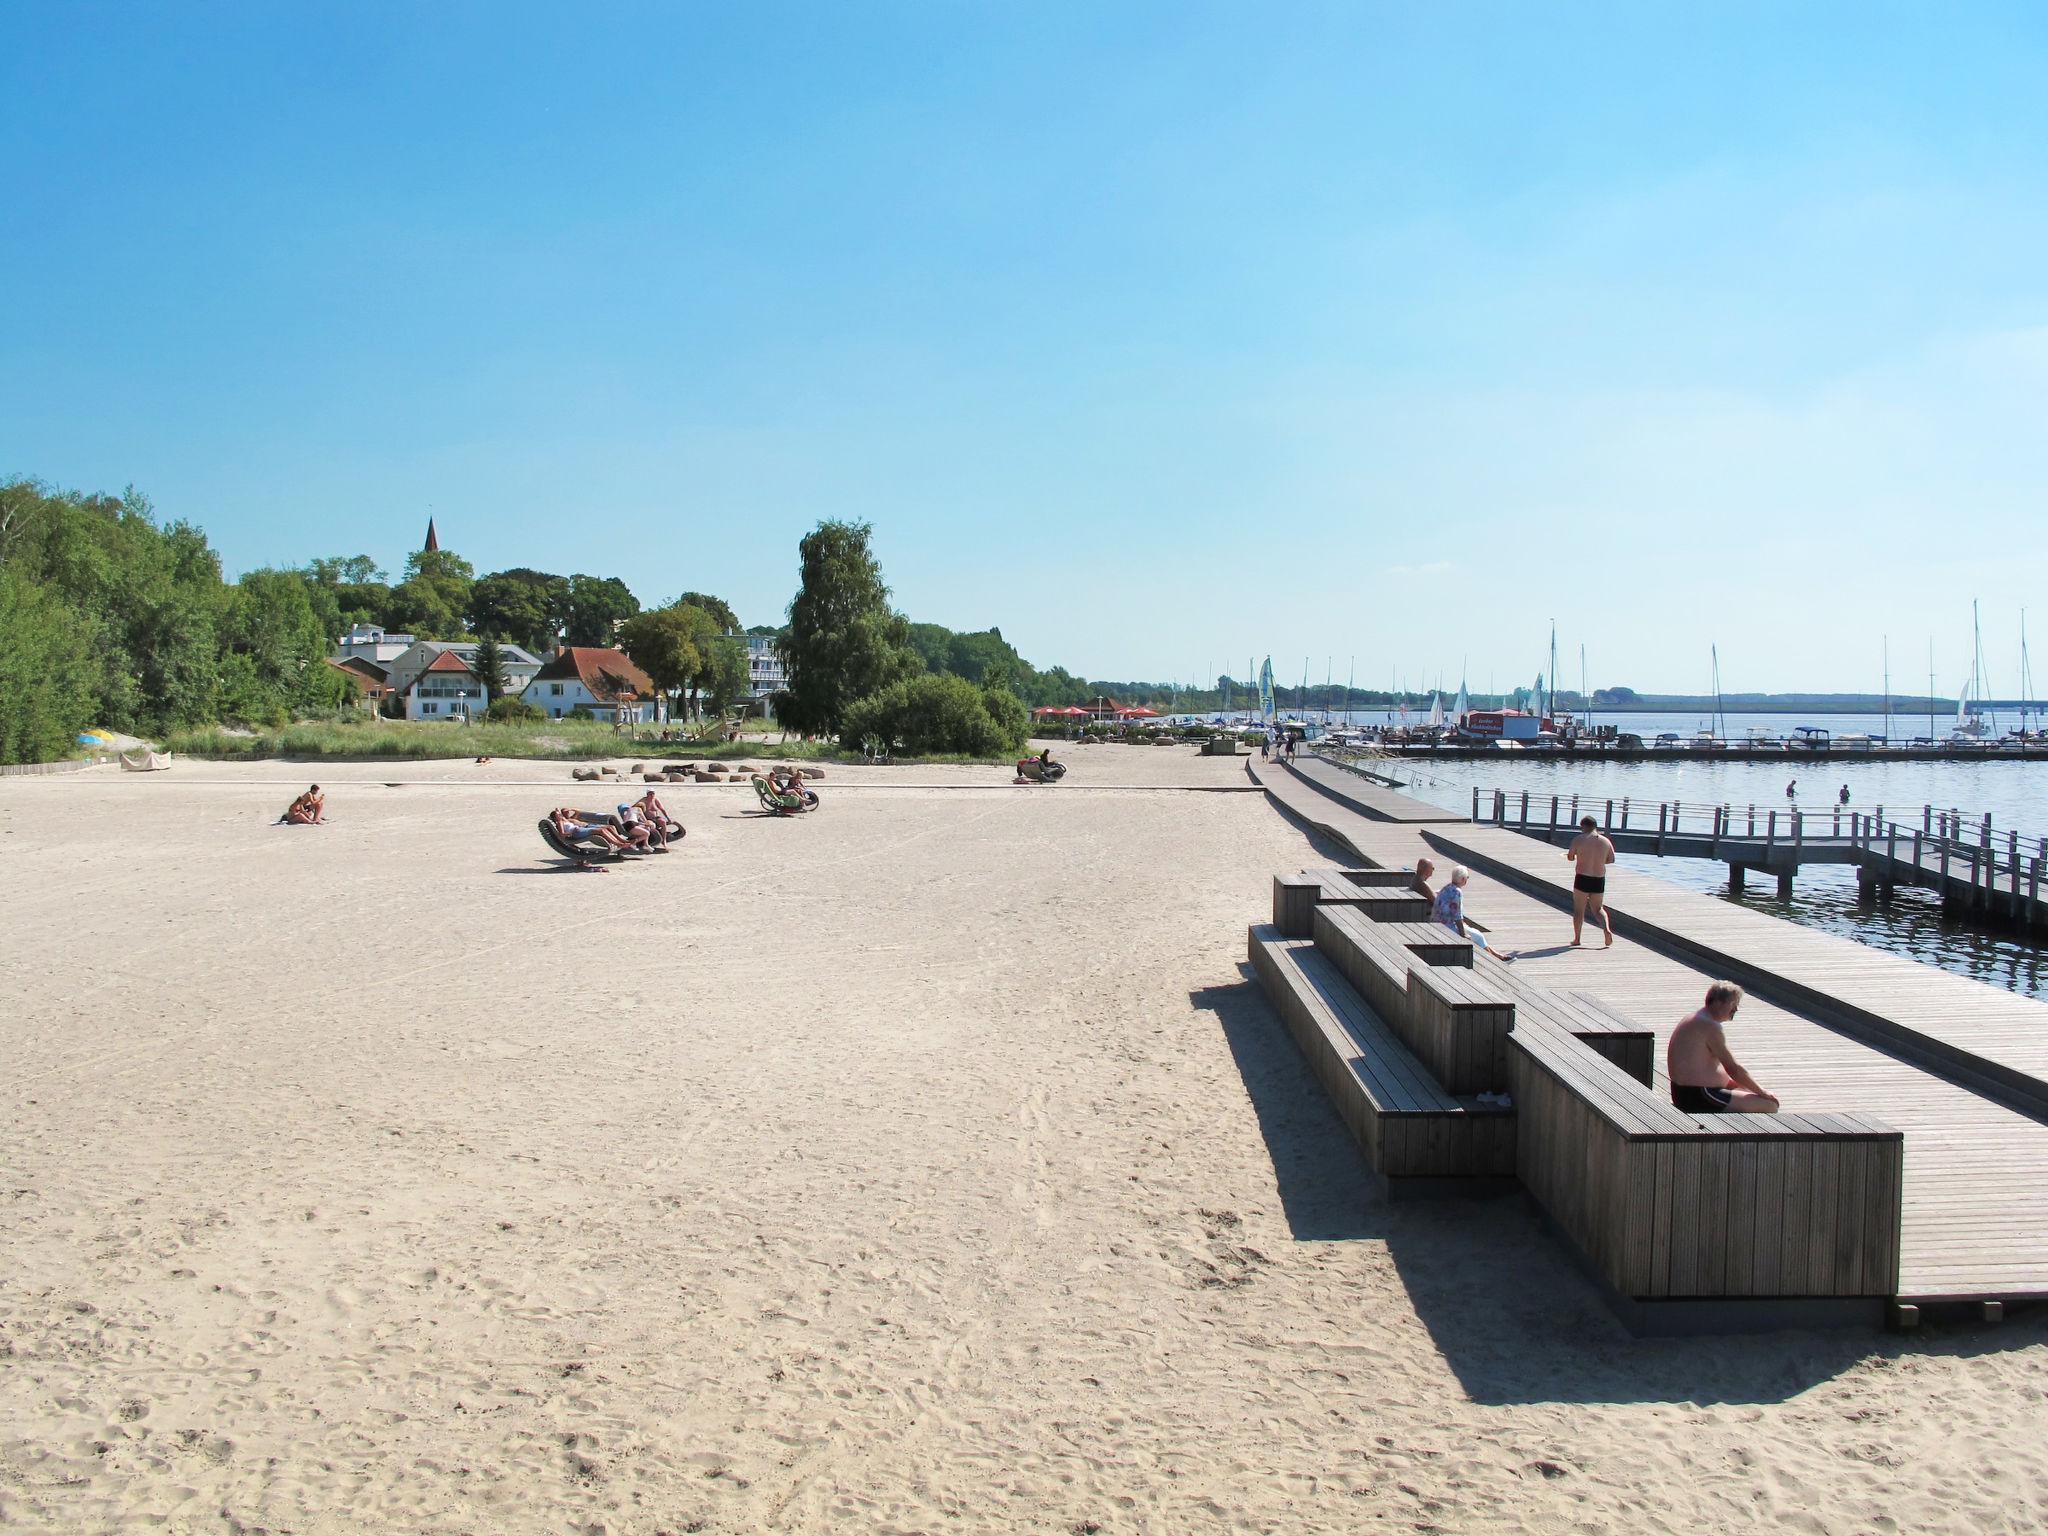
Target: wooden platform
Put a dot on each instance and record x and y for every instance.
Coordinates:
(1354, 790)
(1975, 1223)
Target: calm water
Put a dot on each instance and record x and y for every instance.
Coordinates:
(2015, 793)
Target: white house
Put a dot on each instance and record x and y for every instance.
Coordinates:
(599, 678)
(445, 690)
(766, 673)
(520, 665)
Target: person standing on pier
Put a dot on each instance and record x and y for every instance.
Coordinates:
(1706, 1079)
(1593, 852)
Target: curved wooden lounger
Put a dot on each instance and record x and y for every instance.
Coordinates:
(576, 853)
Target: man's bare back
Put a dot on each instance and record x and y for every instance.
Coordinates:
(1592, 852)
(1705, 1076)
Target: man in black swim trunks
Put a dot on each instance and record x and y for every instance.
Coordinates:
(1706, 1079)
(1592, 853)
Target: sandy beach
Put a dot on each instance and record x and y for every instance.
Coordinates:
(928, 1164)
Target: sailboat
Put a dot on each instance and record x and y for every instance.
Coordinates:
(1712, 736)
(1971, 724)
(2026, 682)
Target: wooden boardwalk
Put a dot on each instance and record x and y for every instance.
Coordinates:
(1975, 1224)
(1993, 878)
(1359, 793)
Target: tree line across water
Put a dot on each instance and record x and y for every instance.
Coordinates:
(113, 617)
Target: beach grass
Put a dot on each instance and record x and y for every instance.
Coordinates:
(377, 739)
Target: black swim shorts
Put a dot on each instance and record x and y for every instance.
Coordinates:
(1592, 885)
(1701, 1101)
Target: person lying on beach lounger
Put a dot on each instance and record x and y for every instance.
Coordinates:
(632, 827)
(571, 828)
(790, 781)
(309, 810)
(1706, 1079)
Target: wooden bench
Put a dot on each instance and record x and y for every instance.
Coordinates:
(1377, 957)
(1665, 1206)
(1587, 1019)
(1295, 898)
(1458, 1023)
(1417, 1138)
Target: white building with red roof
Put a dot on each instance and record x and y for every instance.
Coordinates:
(445, 689)
(599, 678)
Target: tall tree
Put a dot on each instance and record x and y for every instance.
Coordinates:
(46, 695)
(844, 642)
(595, 608)
(490, 669)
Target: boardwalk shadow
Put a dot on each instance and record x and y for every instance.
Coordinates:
(1513, 1317)
(1331, 850)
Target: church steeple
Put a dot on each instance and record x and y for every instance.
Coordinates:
(432, 541)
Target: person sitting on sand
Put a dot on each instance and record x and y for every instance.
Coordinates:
(1450, 911)
(1706, 1079)
(1419, 883)
(309, 810)
(570, 827)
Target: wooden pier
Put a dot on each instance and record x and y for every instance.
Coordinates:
(1834, 1027)
(1986, 875)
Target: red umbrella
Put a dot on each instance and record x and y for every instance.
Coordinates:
(1135, 710)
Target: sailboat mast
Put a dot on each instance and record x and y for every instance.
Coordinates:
(1887, 689)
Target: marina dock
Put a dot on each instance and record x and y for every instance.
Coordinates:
(1832, 1026)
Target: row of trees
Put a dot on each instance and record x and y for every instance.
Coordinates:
(108, 617)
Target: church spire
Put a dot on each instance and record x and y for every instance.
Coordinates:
(433, 542)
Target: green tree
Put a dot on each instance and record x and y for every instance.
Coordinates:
(271, 620)
(720, 610)
(937, 713)
(490, 669)
(594, 608)
(726, 678)
(844, 642)
(524, 607)
(663, 644)
(433, 600)
(46, 695)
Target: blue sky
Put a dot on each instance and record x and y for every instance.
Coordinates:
(1159, 336)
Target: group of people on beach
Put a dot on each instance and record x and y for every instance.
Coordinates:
(636, 826)
(308, 810)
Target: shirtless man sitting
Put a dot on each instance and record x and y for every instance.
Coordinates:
(1706, 1079)
(1420, 883)
(1593, 854)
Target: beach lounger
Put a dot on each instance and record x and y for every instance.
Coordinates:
(583, 854)
(777, 804)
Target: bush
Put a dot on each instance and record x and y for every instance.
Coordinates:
(938, 713)
(507, 709)
(581, 712)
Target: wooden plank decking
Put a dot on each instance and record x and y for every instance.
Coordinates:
(1976, 1170)
(1358, 792)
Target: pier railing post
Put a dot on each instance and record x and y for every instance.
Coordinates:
(1608, 825)
(2034, 890)
(1475, 802)
(1553, 813)
(1660, 828)
(1720, 818)
(1771, 833)
(1798, 828)
(1525, 810)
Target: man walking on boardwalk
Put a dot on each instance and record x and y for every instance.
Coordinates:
(1706, 1079)
(1592, 852)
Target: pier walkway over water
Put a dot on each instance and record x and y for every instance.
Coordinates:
(1961, 1068)
(1991, 877)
